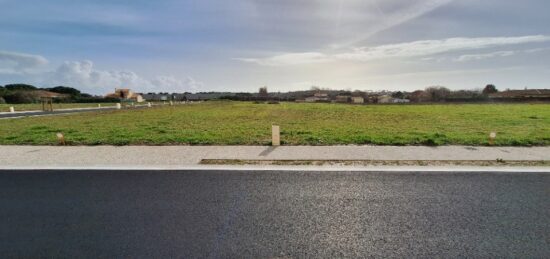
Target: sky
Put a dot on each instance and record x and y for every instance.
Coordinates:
(241, 45)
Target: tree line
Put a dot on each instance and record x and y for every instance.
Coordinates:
(25, 93)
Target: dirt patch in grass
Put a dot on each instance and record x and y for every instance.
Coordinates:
(374, 162)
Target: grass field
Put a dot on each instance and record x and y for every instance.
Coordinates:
(239, 123)
(38, 106)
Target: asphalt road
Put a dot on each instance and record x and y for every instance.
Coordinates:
(6, 115)
(230, 214)
(46, 113)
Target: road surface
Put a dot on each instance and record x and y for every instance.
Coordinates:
(273, 214)
(5, 115)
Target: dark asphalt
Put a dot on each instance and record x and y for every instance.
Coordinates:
(229, 214)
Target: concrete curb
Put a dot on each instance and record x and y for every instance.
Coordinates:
(189, 157)
(409, 169)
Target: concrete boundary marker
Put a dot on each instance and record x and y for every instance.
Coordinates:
(275, 135)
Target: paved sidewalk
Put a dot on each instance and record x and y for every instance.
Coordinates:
(170, 156)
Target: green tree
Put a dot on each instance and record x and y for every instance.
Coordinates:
(74, 93)
(490, 89)
(398, 94)
(437, 93)
(418, 96)
(15, 87)
(21, 97)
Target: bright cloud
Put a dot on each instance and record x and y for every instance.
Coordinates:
(338, 23)
(290, 59)
(83, 75)
(172, 84)
(15, 63)
(473, 57)
(431, 47)
(401, 50)
(409, 11)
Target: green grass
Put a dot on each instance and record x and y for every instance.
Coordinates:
(239, 123)
(38, 106)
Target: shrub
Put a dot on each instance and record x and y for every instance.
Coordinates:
(437, 93)
(74, 93)
(21, 97)
(97, 99)
(490, 89)
(16, 87)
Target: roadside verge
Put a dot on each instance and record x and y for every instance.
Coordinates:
(189, 157)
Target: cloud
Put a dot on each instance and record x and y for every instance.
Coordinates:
(530, 51)
(410, 10)
(400, 50)
(333, 22)
(431, 47)
(83, 75)
(172, 84)
(290, 59)
(17, 63)
(473, 57)
(482, 56)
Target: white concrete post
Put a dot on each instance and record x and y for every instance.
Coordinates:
(149, 105)
(99, 105)
(492, 137)
(275, 135)
(60, 138)
(171, 103)
(12, 109)
(118, 106)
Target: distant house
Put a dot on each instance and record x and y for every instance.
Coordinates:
(385, 99)
(125, 94)
(522, 94)
(310, 99)
(342, 99)
(322, 96)
(357, 99)
(186, 96)
(397, 100)
(178, 97)
(208, 96)
(156, 97)
(318, 97)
